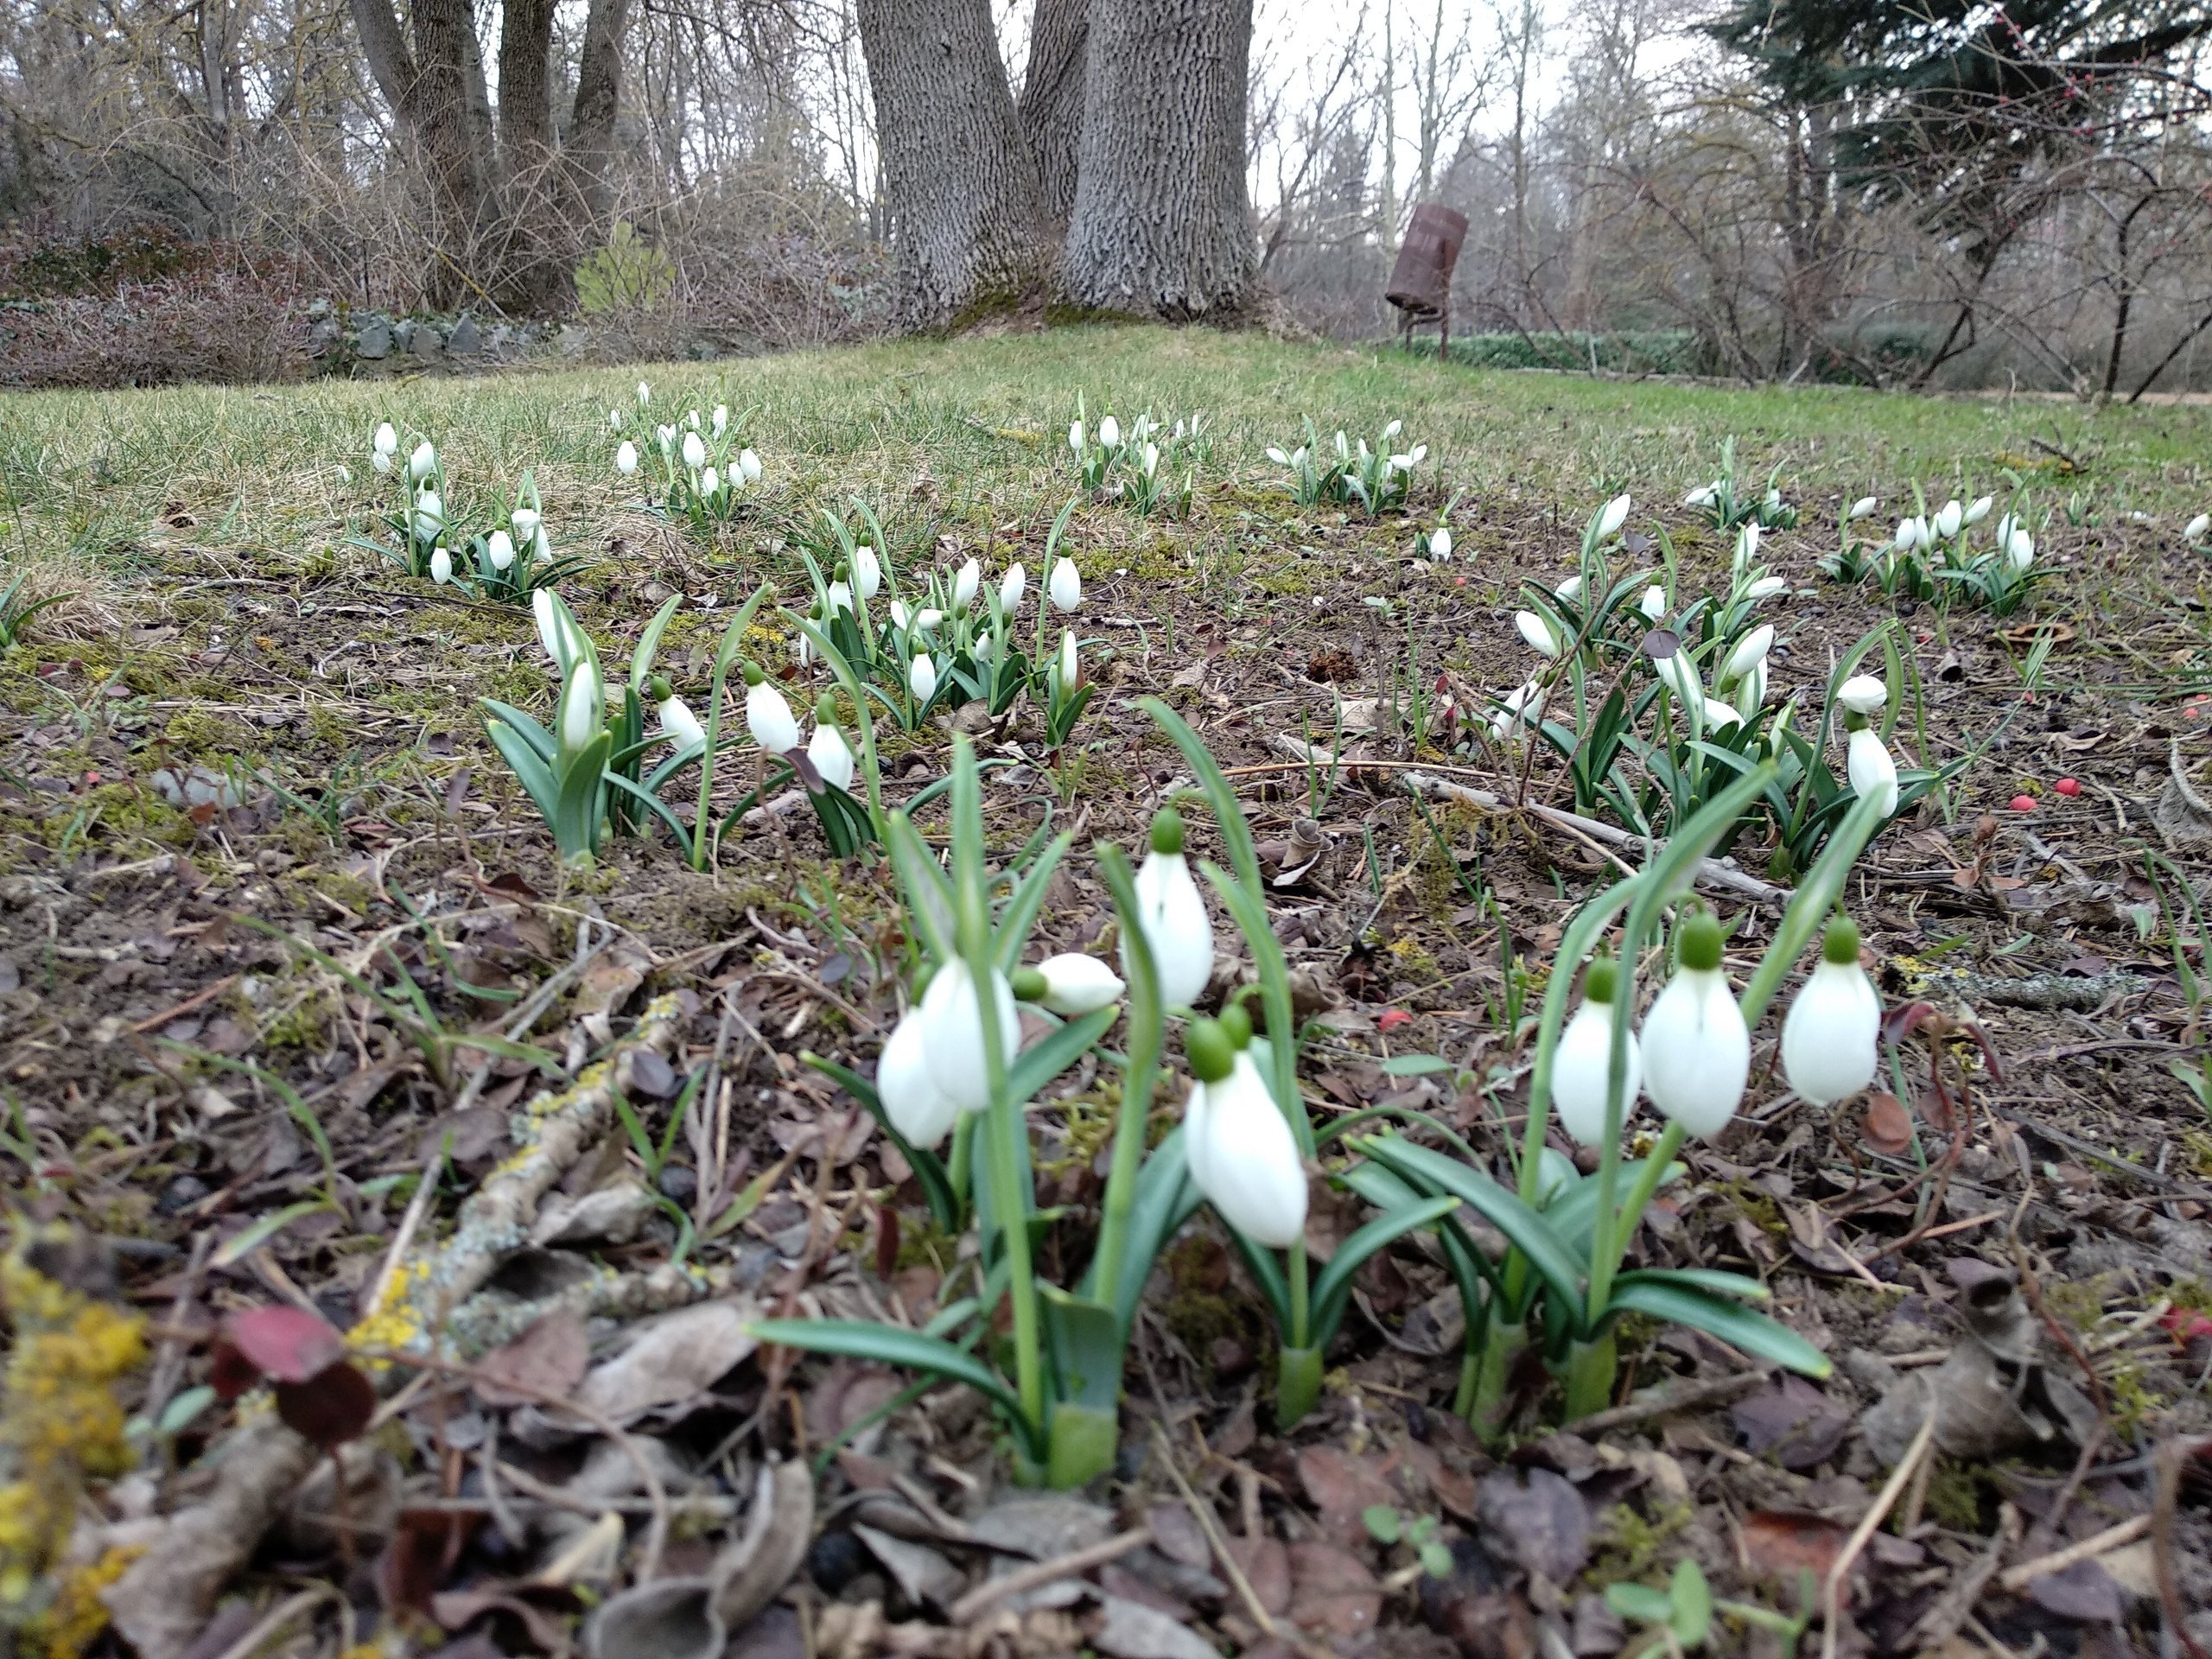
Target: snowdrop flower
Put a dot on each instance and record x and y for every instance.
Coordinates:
(1616, 515)
(645, 394)
(767, 716)
(1680, 676)
(918, 1109)
(441, 567)
(1751, 651)
(1765, 588)
(867, 571)
(695, 451)
(2019, 550)
(1979, 510)
(1750, 691)
(840, 597)
(1828, 1037)
(545, 609)
(1066, 585)
(1011, 586)
(1075, 437)
(921, 677)
(1863, 694)
(677, 722)
(1872, 770)
(625, 458)
(385, 443)
(1911, 533)
(1240, 1152)
(720, 424)
(381, 461)
(1719, 713)
(1704, 496)
(1582, 1065)
(1538, 633)
(1173, 916)
(422, 463)
(710, 482)
(827, 748)
(525, 521)
(429, 517)
(748, 465)
(1439, 543)
(900, 616)
(615, 419)
(1074, 984)
(1151, 458)
(1109, 433)
(953, 1033)
(666, 436)
(582, 712)
(1864, 506)
(1654, 606)
(1570, 591)
(1948, 520)
(1747, 545)
(1523, 707)
(692, 419)
(500, 548)
(1411, 459)
(964, 585)
(1697, 1052)
(926, 621)
(1068, 671)
(2195, 529)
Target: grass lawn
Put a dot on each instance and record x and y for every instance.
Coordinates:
(247, 802)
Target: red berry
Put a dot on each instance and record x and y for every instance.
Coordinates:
(2024, 802)
(1391, 1019)
(2068, 787)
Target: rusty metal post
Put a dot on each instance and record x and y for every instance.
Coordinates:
(1421, 280)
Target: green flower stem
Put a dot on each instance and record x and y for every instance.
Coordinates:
(1141, 1067)
(1003, 1124)
(1668, 874)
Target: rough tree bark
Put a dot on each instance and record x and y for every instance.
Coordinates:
(512, 212)
(1160, 224)
(599, 98)
(1052, 98)
(966, 218)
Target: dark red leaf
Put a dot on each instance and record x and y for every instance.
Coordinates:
(331, 1408)
(285, 1345)
(232, 1373)
(425, 1544)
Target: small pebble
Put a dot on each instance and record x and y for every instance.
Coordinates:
(679, 1182)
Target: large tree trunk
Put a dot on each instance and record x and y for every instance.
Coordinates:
(599, 98)
(1161, 227)
(1052, 98)
(967, 222)
(429, 92)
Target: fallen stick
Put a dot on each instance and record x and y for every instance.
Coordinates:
(420, 1294)
(2103, 1543)
(991, 1592)
(1710, 871)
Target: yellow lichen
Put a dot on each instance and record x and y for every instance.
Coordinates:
(78, 1614)
(61, 1422)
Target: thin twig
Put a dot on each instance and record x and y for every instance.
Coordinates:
(1885, 1501)
(993, 1590)
(1199, 1513)
(2165, 1496)
(2103, 1543)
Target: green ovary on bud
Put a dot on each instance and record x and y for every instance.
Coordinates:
(1167, 832)
(1029, 985)
(1840, 944)
(1700, 942)
(1211, 1054)
(1235, 1023)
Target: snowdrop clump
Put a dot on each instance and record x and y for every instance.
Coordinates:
(705, 469)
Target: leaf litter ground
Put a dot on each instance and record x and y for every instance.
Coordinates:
(157, 1013)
